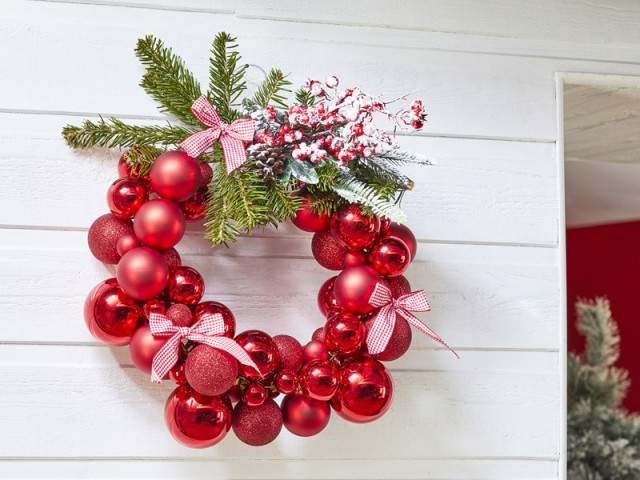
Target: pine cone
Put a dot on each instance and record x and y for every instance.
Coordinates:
(270, 160)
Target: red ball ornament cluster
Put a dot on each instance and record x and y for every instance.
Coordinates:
(215, 391)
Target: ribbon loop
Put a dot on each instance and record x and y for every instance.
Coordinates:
(233, 137)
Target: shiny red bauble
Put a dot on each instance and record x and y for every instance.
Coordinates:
(126, 243)
(175, 176)
(315, 350)
(125, 196)
(111, 315)
(304, 416)
(327, 251)
(104, 234)
(262, 350)
(196, 420)
(326, 299)
(405, 234)
(291, 352)
(353, 288)
(390, 257)
(365, 390)
(142, 273)
(398, 285)
(344, 333)
(308, 220)
(210, 371)
(195, 207)
(399, 342)
(353, 227)
(155, 305)
(319, 379)
(143, 347)
(255, 394)
(185, 285)
(257, 426)
(159, 223)
(210, 308)
(286, 381)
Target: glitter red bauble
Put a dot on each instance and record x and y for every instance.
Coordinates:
(315, 350)
(365, 390)
(399, 342)
(262, 350)
(405, 234)
(353, 227)
(318, 334)
(211, 308)
(180, 315)
(291, 352)
(286, 381)
(104, 234)
(308, 220)
(210, 371)
(126, 243)
(254, 394)
(175, 176)
(398, 285)
(195, 207)
(143, 347)
(185, 285)
(110, 314)
(344, 333)
(304, 416)
(125, 196)
(319, 379)
(172, 257)
(353, 288)
(206, 173)
(390, 257)
(159, 223)
(196, 420)
(257, 426)
(326, 298)
(142, 273)
(327, 251)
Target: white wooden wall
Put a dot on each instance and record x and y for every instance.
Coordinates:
(487, 217)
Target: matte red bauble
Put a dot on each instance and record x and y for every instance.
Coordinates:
(405, 234)
(210, 371)
(180, 315)
(353, 258)
(304, 416)
(365, 390)
(344, 333)
(185, 285)
(327, 251)
(262, 350)
(175, 176)
(308, 220)
(390, 257)
(196, 420)
(291, 352)
(319, 379)
(398, 344)
(111, 315)
(142, 273)
(254, 394)
(126, 243)
(143, 348)
(159, 223)
(353, 227)
(353, 288)
(257, 426)
(104, 234)
(211, 308)
(398, 285)
(286, 381)
(195, 207)
(125, 196)
(326, 299)
(315, 350)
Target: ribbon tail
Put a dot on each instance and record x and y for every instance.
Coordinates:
(424, 329)
(166, 358)
(235, 153)
(381, 330)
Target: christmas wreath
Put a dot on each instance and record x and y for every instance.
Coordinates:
(239, 164)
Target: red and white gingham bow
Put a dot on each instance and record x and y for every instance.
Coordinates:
(232, 137)
(382, 329)
(208, 330)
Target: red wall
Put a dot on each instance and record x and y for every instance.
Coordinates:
(605, 261)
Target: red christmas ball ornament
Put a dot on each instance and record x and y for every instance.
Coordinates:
(126, 243)
(385, 224)
(130, 170)
(353, 258)
(262, 350)
(405, 234)
(206, 173)
(398, 344)
(210, 371)
(180, 315)
(353, 227)
(154, 305)
(195, 207)
(143, 347)
(255, 394)
(304, 416)
(365, 390)
(210, 308)
(177, 374)
(175, 176)
(353, 288)
(159, 223)
(257, 426)
(327, 251)
(308, 220)
(318, 334)
(398, 285)
(390, 257)
(315, 350)
(172, 257)
(344, 333)
(326, 298)
(196, 420)
(291, 352)
(185, 285)
(319, 379)
(104, 234)
(125, 196)
(110, 314)
(142, 273)
(286, 381)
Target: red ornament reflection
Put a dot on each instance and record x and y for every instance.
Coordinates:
(344, 333)
(353, 227)
(390, 257)
(125, 196)
(262, 350)
(185, 285)
(319, 379)
(304, 416)
(326, 298)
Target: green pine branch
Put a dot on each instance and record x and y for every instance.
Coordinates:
(270, 91)
(226, 77)
(381, 175)
(400, 157)
(167, 79)
(305, 97)
(354, 191)
(143, 157)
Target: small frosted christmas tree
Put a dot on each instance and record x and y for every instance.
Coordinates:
(603, 440)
